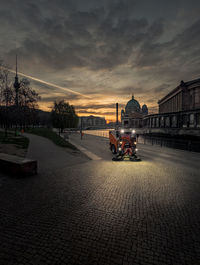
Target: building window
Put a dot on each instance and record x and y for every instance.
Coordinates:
(197, 97)
(198, 119)
(153, 122)
(167, 122)
(185, 121)
(157, 122)
(174, 121)
(162, 122)
(192, 120)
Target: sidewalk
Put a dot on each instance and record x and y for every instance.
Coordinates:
(50, 156)
(99, 146)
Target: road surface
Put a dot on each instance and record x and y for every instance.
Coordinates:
(103, 212)
(100, 147)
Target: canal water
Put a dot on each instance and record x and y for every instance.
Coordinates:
(102, 133)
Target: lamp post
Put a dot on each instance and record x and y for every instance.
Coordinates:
(81, 128)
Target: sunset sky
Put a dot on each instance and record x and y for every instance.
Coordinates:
(105, 50)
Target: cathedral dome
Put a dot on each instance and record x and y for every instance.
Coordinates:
(132, 106)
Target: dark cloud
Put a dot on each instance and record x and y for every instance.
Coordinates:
(147, 44)
(96, 39)
(60, 97)
(96, 112)
(98, 106)
(63, 36)
(162, 87)
(153, 110)
(43, 88)
(174, 55)
(131, 90)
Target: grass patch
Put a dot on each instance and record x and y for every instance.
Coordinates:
(56, 139)
(19, 141)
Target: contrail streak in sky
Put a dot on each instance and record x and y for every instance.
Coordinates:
(50, 84)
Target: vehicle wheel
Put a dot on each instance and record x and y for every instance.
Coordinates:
(113, 149)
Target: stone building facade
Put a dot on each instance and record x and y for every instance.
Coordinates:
(92, 122)
(184, 97)
(179, 111)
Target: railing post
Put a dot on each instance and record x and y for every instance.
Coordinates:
(189, 145)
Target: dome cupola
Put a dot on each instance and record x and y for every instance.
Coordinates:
(145, 109)
(132, 106)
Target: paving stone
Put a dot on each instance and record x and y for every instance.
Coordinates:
(102, 213)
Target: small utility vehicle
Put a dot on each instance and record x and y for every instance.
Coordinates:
(123, 144)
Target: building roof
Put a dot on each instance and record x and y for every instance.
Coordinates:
(188, 83)
(179, 88)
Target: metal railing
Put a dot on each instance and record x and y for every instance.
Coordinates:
(183, 144)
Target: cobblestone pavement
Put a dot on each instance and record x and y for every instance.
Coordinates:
(102, 212)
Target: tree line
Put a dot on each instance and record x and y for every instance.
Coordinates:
(24, 112)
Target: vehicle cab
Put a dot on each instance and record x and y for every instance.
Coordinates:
(123, 140)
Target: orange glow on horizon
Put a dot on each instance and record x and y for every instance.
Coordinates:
(48, 107)
(98, 112)
(101, 104)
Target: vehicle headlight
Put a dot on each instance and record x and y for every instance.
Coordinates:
(133, 131)
(122, 131)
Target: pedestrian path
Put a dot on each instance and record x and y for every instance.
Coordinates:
(51, 156)
(85, 151)
(94, 147)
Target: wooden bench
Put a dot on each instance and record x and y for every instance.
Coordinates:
(16, 165)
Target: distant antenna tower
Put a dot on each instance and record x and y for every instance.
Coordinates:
(16, 86)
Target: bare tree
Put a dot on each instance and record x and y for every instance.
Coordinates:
(63, 116)
(27, 100)
(23, 113)
(6, 96)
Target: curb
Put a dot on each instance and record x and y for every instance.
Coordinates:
(89, 154)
